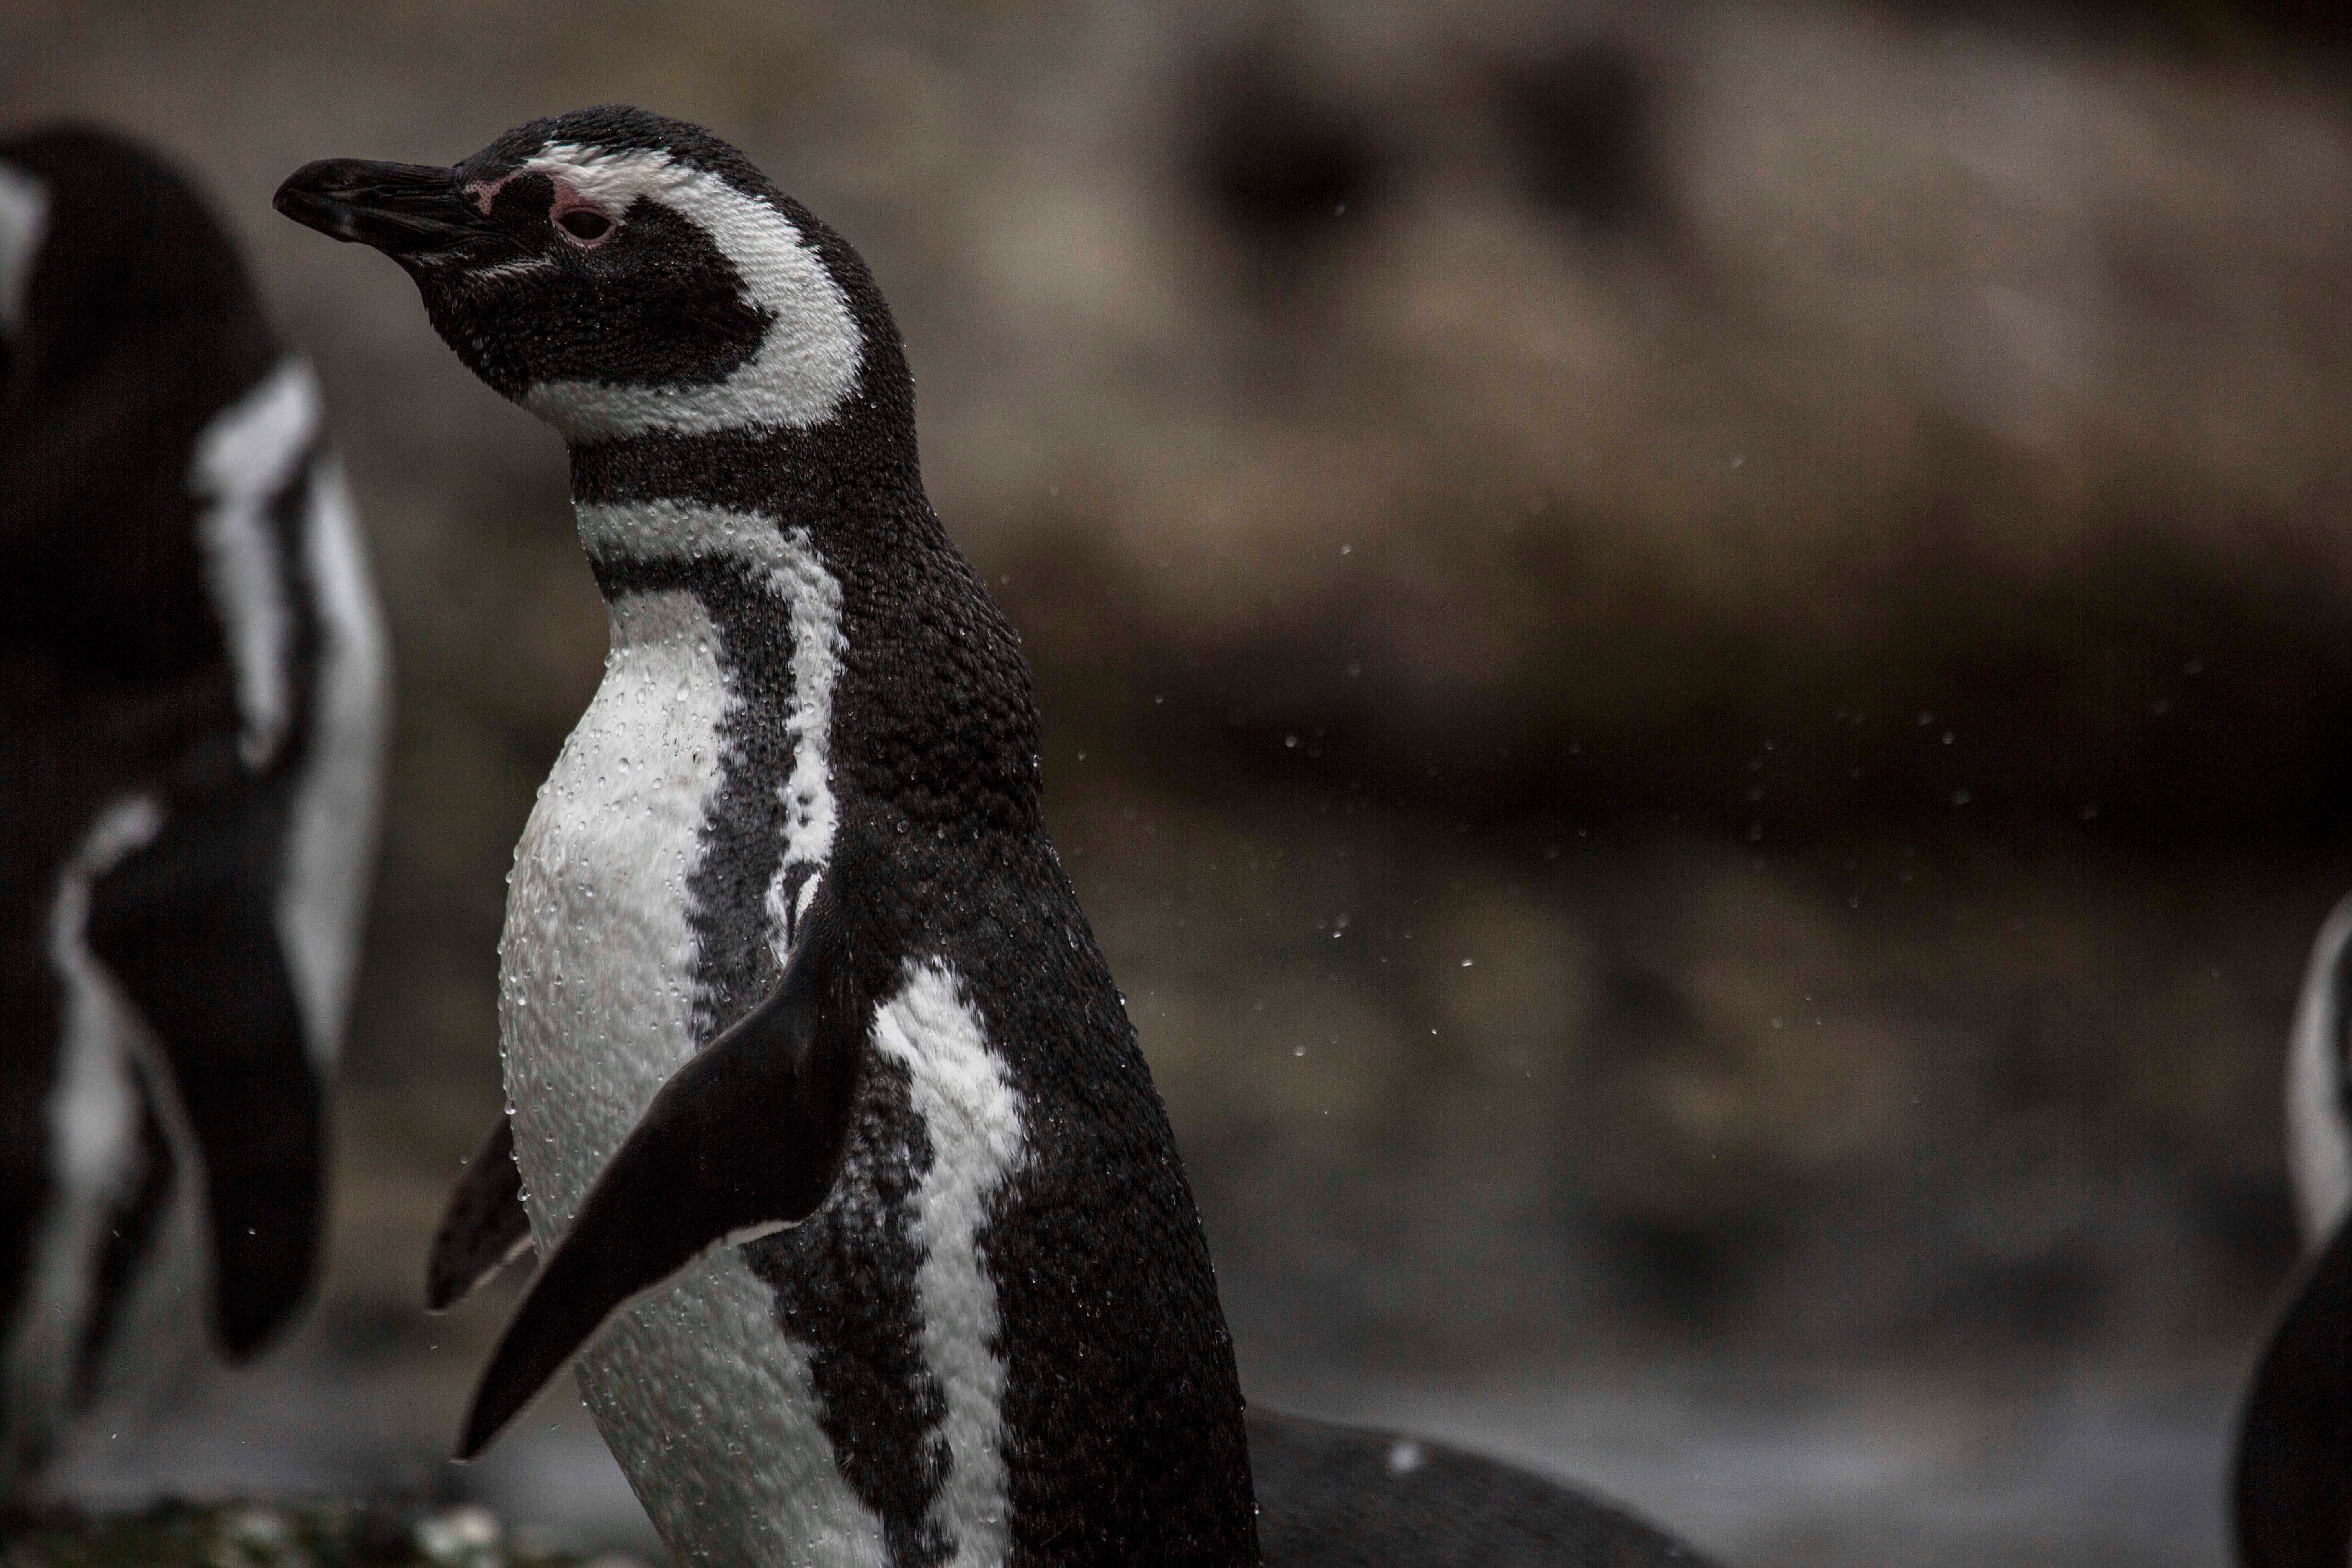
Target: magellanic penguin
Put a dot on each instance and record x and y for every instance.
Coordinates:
(193, 700)
(856, 1200)
(2292, 1485)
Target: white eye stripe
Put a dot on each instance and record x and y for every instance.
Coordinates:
(611, 181)
(807, 364)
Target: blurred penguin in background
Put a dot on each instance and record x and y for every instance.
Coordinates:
(192, 710)
(2294, 1481)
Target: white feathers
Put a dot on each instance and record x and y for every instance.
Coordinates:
(92, 1123)
(973, 1117)
(597, 963)
(2318, 1120)
(811, 596)
(703, 1399)
(329, 842)
(807, 365)
(712, 1412)
(24, 225)
(244, 460)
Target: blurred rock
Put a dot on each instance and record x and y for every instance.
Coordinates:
(269, 1535)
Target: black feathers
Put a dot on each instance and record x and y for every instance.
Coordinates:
(188, 926)
(483, 1228)
(140, 327)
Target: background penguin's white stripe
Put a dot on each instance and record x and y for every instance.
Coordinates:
(91, 1111)
(657, 530)
(808, 361)
(245, 457)
(324, 894)
(973, 1113)
(93, 1119)
(24, 225)
(2319, 1140)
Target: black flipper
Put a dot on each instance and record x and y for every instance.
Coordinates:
(2292, 1493)
(483, 1229)
(749, 1133)
(189, 926)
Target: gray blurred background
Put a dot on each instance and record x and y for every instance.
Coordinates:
(1697, 666)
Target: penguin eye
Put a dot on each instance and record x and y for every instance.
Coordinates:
(581, 223)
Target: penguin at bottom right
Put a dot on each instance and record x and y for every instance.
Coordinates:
(2291, 1492)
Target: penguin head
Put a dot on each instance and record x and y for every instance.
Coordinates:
(620, 274)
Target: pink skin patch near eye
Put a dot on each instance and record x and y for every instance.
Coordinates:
(483, 193)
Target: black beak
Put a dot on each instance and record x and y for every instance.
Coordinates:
(401, 209)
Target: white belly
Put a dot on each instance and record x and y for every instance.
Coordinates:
(702, 1398)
